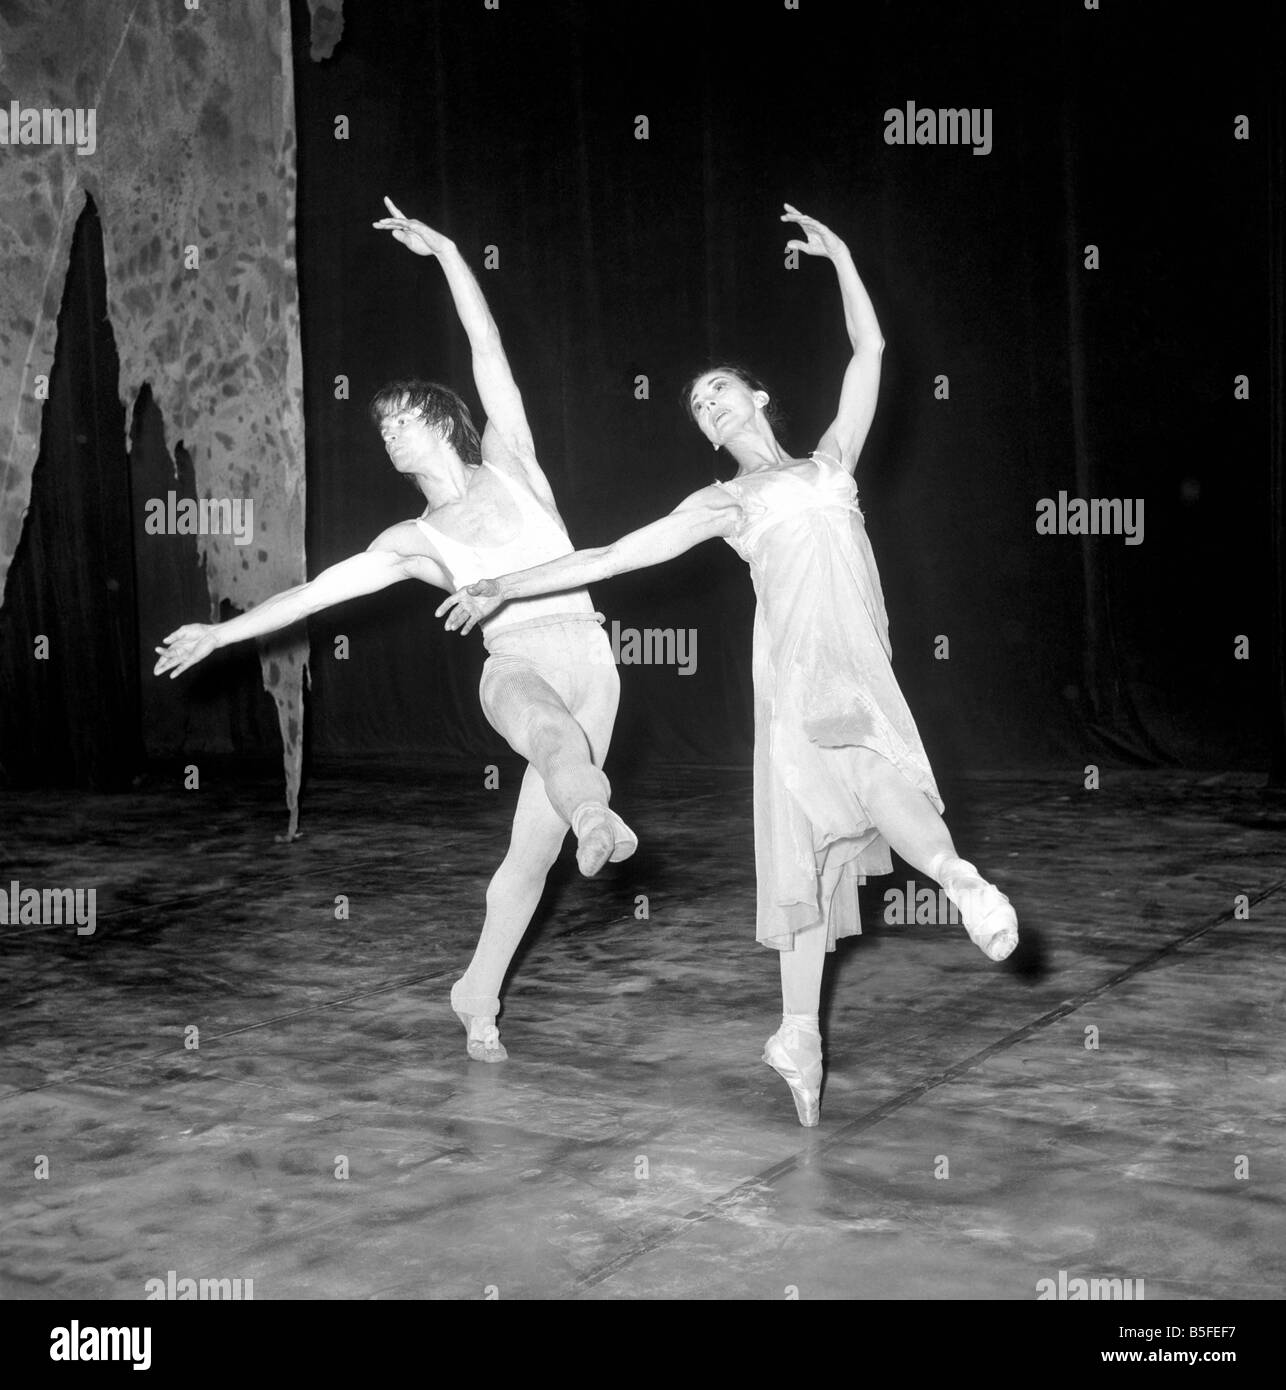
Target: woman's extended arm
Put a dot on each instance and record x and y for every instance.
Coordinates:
(366, 573)
(847, 432)
(701, 517)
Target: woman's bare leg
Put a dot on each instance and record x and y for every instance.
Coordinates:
(904, 816)
(910, 823)
(795, 1050)
(801, 975)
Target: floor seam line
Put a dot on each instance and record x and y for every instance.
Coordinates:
(717, 1205)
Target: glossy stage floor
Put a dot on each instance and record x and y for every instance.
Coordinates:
(1107, 1106)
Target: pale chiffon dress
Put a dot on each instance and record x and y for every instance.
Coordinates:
(824, 687)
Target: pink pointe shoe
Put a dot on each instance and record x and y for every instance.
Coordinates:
(986, 913)
(796, 1056)
(484, 1043)
(601, 837)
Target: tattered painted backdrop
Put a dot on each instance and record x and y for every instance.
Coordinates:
(192, 168)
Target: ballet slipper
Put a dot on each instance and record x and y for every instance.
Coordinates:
(483, 1043)
(601, 837)
(986, 912)
(796, 1056)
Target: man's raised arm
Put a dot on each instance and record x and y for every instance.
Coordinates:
(507, 440)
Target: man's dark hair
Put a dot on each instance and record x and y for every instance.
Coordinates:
(441, 408)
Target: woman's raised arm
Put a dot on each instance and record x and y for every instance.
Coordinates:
(847, 433)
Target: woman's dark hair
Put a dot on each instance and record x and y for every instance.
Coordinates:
(773, 413)
(441, 408)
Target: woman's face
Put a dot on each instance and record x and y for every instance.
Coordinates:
(723, 405)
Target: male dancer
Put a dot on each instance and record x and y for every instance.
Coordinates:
(549, 686)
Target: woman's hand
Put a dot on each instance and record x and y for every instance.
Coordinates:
(185, 646)
(423, 240)
(821, 240)
(469, 606)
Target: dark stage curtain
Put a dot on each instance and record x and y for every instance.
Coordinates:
(222, 708)
(69, 689)
(1275, 519)
(620, 257)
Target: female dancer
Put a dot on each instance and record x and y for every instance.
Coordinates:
(549, 686)
(840, 772)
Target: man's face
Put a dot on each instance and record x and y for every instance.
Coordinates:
(407, 437)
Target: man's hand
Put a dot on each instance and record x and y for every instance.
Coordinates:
(421, 239)
(184, 647)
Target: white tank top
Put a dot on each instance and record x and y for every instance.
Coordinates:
(540, 538)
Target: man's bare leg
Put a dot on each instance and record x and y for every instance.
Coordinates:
(562, 752)
(566, 751)
(512, 896)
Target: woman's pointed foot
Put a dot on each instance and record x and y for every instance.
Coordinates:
(985, 911)
(483, 1043)
(795, 1054)
(601, 837)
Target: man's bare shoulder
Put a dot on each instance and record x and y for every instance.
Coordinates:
(423, 562)
(405, 537)
(516, 458)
